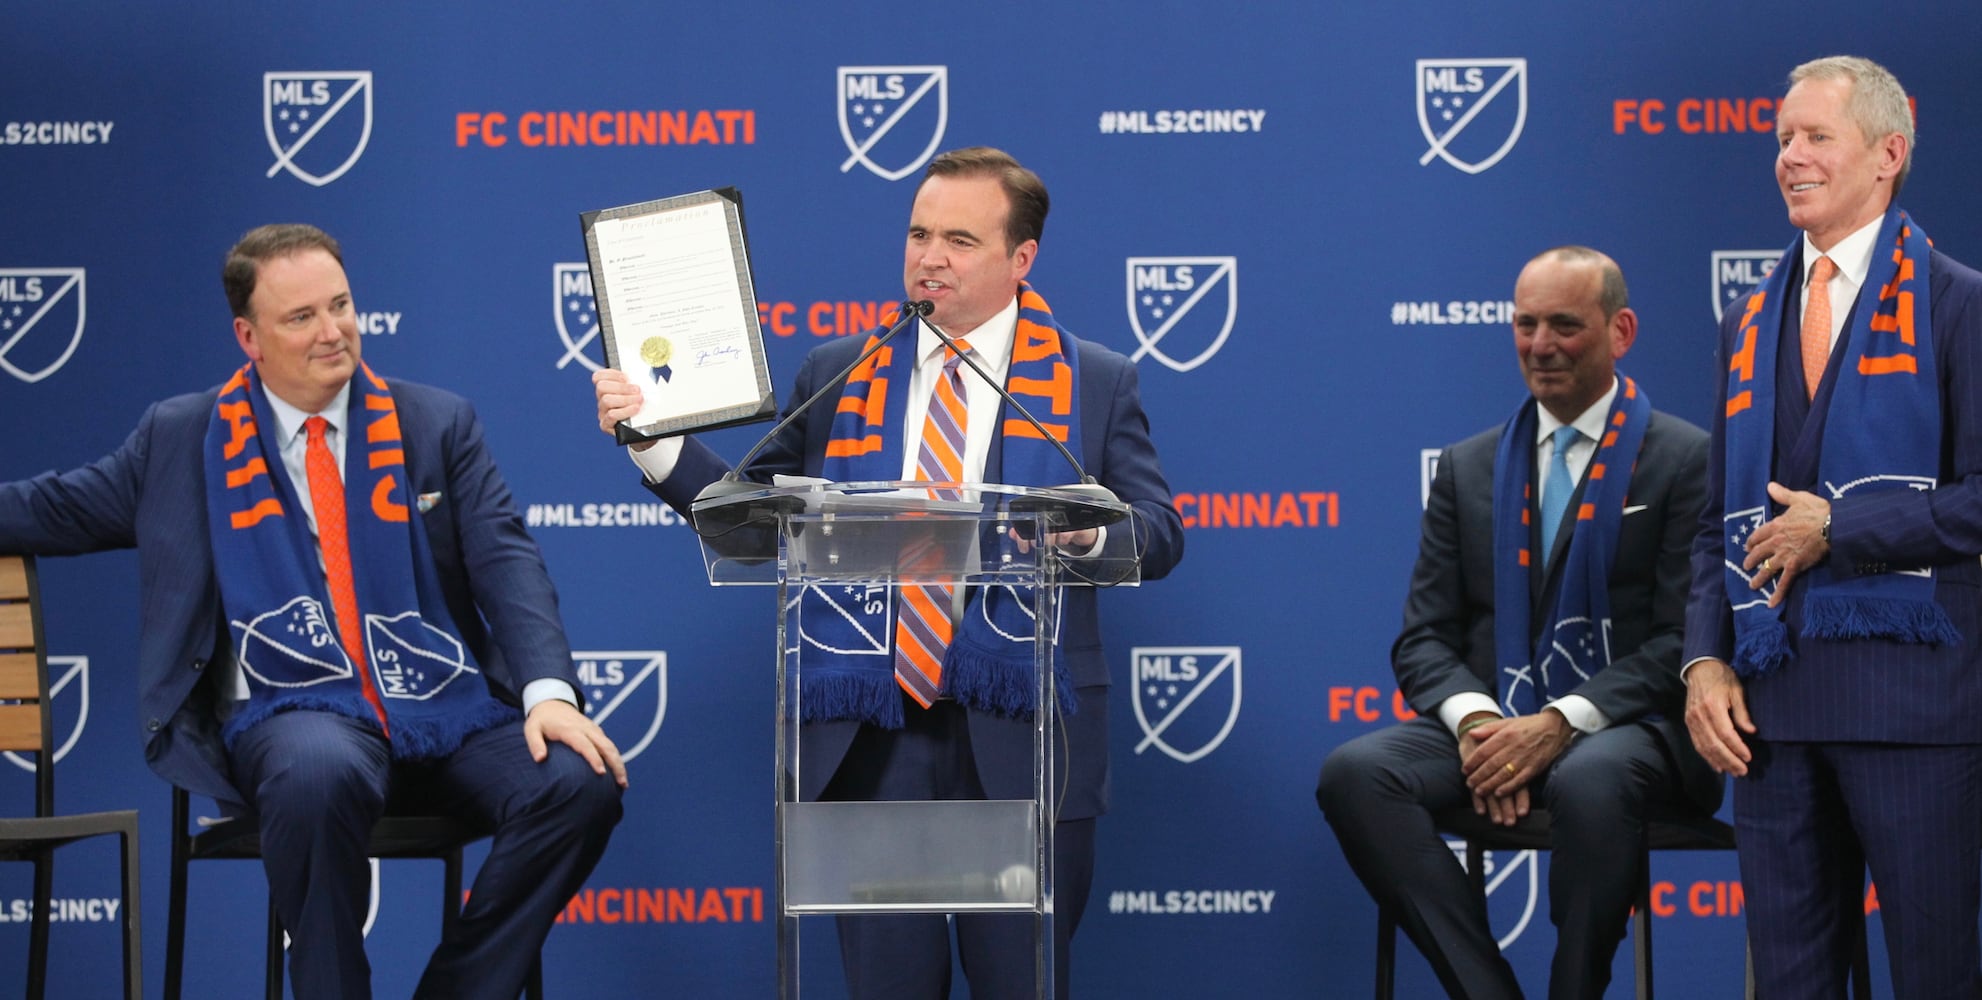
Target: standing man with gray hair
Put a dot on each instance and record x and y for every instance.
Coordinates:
(1834, 634)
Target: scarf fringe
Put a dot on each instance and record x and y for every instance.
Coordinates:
(1898, 619)
(1761, 649)
(861, 696)
(984, 681)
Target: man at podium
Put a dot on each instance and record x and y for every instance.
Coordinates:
(938, 728)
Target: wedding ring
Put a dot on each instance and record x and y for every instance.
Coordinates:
(1765, 566)
(1510, 767)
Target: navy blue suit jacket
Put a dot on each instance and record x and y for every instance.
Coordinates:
(151, 494)
(1867, 690)
(1116, 449)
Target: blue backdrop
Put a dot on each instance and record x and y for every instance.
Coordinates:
(1376, 174)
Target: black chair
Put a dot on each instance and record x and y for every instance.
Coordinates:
(1677, 833)
(25, 728)
(239, 839)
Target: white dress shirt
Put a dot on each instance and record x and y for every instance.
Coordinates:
(1853, 257)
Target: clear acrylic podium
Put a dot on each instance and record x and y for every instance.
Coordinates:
(981, 856)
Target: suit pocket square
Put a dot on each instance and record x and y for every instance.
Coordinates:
(427, 501)
(1628, 511)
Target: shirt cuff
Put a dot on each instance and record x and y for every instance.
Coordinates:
(1583, 714)
(1100, 542)
(545, 689)
(1689, 665)
(1454, 710)
(658, 461)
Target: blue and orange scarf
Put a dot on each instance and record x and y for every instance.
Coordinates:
(1575, 643)
(277, 603)
(846, 638)
(1888, 437)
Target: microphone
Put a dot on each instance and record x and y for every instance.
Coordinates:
(1016, 884)
(732, 483)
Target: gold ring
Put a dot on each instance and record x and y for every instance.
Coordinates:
(1765, 566)
(1510, 768)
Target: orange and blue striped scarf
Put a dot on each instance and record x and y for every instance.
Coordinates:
(845, 637)
(277, 603)
(1575, 643)
(1882, 432)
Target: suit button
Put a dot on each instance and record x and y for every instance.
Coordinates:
(154, 726)
(197, 664)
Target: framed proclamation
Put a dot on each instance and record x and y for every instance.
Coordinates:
(678, 313)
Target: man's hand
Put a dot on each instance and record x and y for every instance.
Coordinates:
(1072, 541)
(1503, 810)
(1514, 752)
(1792, 541)
(618, 400)
(556, 719)
(1717, 715)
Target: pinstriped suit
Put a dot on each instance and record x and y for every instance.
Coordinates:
(1867, 752)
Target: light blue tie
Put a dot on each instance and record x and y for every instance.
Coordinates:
(1556, 488)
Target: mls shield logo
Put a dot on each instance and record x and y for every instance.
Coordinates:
(1427, 471)
(1186, 697)
(626, 693)
(885, 111)
(1737, 273)
(577, 312)
(1513, 885)
(68, 703)
(1168, 311)
(313, 119)
(1464, 109)
(413, 660)
(295, 641)
(41, 319)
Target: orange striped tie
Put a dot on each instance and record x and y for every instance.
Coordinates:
(1817, 324)
(327, 497)
(923, 629)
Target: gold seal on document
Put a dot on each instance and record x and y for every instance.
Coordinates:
(656, 351)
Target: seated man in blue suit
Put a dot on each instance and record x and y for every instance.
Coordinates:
(1834, 635)
(930, 728)
(336, 559)
(1541, 645)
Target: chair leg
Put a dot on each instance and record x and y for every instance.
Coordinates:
(272, 965)
(1861, 965)
(44, 891)
(1641, 938)
(1386, 955)
(133, 910)
(450, 890)
(175, 907)
(533, 989)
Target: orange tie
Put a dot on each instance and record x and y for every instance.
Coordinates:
(1817, 324)
(923, 629)
(327, 496)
